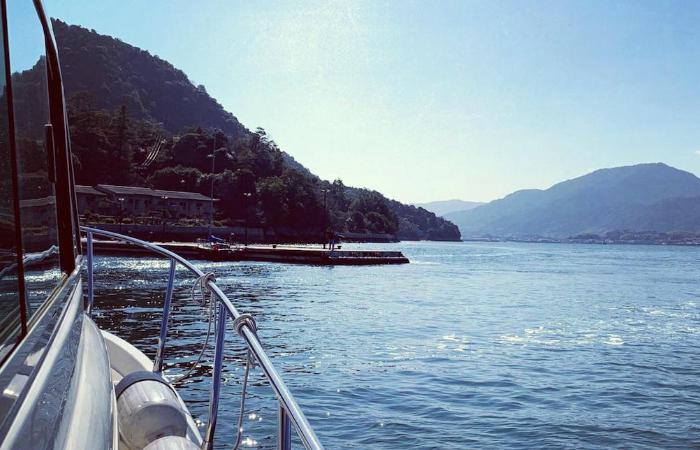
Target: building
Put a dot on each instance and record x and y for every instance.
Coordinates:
(134, 201)
(91, 200)
(187, 204)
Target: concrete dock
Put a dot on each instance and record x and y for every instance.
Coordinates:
(281, 254)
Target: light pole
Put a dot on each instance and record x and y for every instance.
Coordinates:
(211, 199)
(164, 198)
(121, 213)
(247, 196)
(325, 216)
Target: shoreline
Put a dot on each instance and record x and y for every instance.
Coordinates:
(244, 235)
(589, 241)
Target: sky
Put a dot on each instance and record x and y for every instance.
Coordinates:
(434, 100)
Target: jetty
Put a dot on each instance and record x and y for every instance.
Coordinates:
(267, 253)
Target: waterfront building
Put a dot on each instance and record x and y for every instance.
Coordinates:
(92, 200)
(136, 201)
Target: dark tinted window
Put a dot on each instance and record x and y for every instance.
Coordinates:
(30, 105)
(9, 284)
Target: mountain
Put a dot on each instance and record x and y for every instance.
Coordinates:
(644, 197)
(122, 101)
(443, 207)
(118, 74)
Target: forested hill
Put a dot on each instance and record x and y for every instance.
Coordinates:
(118, 74)
(124, 102)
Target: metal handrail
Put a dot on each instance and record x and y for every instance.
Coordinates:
(289, 410)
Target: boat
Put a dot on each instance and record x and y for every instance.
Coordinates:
(64, 382)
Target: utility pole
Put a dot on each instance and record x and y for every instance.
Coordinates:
(247, 196)
(325, 217)
(211, 208)
(164, 198)
(121, 214)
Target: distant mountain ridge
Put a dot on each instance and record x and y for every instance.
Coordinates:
(643, 197)
(443, 207)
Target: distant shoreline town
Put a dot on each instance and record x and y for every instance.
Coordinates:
(610, 238)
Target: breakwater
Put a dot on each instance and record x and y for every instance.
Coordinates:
(270, 253)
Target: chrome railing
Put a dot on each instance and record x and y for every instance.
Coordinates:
(289, 411)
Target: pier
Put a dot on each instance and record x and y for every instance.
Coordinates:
(268, 253)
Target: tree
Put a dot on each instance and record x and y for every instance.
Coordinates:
(303, 200)
(376, 223)
(176, 178)
(370, 201)
(273, 200)
(356, 222)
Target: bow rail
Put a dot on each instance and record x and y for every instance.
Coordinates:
(289, 411)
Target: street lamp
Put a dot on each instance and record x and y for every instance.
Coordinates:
(325, 215)
(247, 195)
(213, 159)
(164, 198)
(121, 213)
(211, 199)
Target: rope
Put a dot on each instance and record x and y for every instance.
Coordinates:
(201, 282)
(241, 412)
(244, 319)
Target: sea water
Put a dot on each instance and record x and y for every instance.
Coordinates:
(472, 345)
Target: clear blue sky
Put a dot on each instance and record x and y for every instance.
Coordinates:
(442, 99)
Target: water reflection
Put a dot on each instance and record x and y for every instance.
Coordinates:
(30, 104)
(9, 286)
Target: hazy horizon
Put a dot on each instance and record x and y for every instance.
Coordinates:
(464, 100)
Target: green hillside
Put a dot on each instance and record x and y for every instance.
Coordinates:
(123, 102)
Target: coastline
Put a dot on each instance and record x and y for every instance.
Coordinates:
(244, 235)
(599, 241)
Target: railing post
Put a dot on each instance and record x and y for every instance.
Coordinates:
(89, 274)
(208, 442)
(158, 362)
(284, 430)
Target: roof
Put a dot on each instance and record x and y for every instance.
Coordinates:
(79, 189)
(159, 193)
(182, 195)
(127, 190)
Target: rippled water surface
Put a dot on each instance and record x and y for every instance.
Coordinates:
(471, 345)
